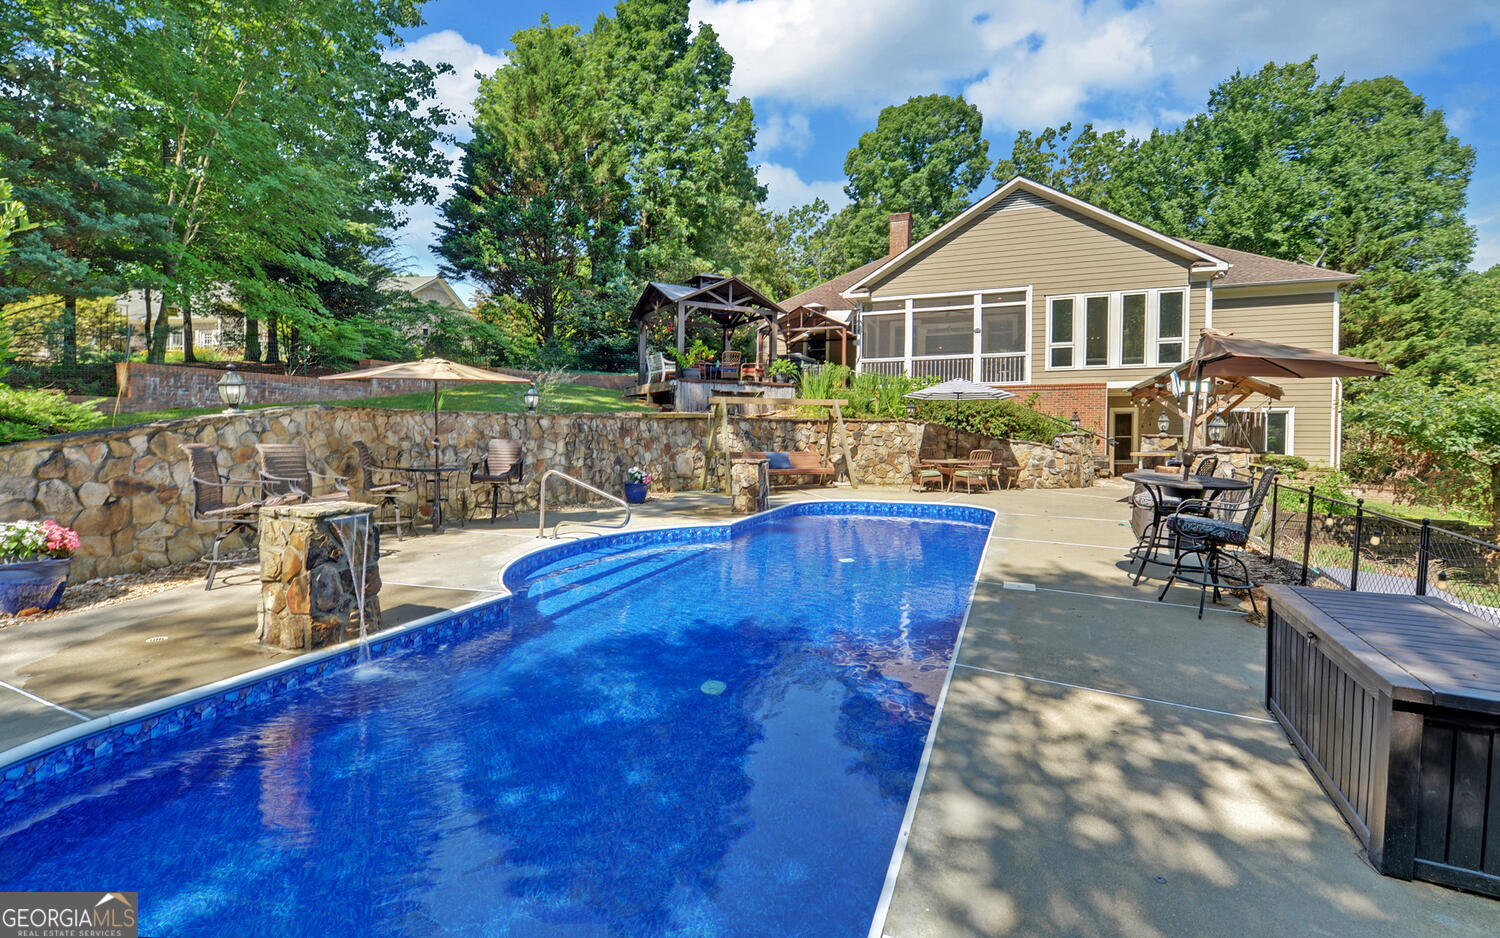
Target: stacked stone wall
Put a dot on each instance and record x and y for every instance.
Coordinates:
(128, 493)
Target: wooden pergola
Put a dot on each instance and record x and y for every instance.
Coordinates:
(727, 302)
(1223, 395)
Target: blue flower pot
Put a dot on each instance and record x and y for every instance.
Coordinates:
(635, 492)
(32, 584)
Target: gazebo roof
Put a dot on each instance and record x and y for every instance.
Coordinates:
(728, 301)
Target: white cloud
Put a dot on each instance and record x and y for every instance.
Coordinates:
(456, 90)
(786, 189)
(1033, 62)
(777, 131)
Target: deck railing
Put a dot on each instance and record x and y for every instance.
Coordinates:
(1338, 544)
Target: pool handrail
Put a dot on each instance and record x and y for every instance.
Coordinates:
(541, 523)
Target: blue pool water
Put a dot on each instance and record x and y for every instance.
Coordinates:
(707, 739)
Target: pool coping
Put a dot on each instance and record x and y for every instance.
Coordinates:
(317, 663)
(898, 853)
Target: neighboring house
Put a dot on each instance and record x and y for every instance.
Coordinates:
(1034, 290)
(212, 331)
(819, 322)
(209, 330)
(429, 289)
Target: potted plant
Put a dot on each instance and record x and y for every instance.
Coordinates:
(694, 357)
(34, 561)
(785, 371)
(636, 480)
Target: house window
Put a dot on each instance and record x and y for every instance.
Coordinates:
(943, 332)
(1277, 437)
(1117, 330)
(1060, 333)
(1171, 327)
(884, 336)
(1096, 331)
(1133, 329)
(1004, 329)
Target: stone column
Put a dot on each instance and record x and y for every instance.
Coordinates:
(307, 581)
(749, 485)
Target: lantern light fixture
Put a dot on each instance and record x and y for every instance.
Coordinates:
(1217, 427)
(1075, 422)
(1163, 422)
(232, 390)
(533, 398)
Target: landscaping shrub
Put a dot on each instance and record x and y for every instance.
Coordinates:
(26, 415)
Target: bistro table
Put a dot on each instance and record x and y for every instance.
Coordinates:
(948, 466)
(434, 481)
(1169, 489)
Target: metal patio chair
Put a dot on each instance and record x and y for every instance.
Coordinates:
(284, 470)
(385, 485)
(210, 506)
(1208, 529)
(499, 469)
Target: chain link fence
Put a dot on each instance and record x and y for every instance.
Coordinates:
(1338, 544)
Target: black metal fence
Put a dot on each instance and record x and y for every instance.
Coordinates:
(1343, 545)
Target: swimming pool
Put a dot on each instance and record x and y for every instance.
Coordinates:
(702, 731)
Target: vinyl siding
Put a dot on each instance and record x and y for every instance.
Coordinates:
(1303, 319)
(1025, 240)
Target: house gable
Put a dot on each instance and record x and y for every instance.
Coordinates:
(1021, 194)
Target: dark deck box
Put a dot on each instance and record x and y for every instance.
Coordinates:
(1394, 701)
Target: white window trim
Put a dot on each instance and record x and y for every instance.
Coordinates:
(1116, 321)
(1291, 435)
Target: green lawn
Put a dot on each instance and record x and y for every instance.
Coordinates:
(496, 398)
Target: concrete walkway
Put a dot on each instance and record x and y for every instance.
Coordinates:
(1104, 765)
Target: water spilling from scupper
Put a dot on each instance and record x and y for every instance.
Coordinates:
(353, 534)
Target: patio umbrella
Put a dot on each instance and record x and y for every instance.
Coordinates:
(958, 390)
(436, 370)
(1226, 355)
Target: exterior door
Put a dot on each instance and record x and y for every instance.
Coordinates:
(1122, 433)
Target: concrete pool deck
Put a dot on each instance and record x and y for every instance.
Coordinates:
(1104, 765)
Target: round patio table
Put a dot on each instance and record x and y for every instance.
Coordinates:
(434, 480)
(1173, 485)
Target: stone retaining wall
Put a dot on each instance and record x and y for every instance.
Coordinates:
(127, 490)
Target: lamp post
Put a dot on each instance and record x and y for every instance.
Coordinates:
(533, 397)
(232, 390)
(1163, 422)
(1216, 429)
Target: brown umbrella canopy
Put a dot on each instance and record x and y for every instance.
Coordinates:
(1226, 355)
(435, 370)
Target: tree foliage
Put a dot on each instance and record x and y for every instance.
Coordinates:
(1358, 176)
(925, 157)
(599, 159)
(1444, 438)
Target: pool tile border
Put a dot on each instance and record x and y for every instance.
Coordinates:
(30, 770)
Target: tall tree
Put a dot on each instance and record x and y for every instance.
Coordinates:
(62, 136)
(926, 157)
(535, 213)
(680, 139)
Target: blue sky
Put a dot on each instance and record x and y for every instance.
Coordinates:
(818, 71)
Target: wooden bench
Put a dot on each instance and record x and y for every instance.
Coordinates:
(804, 463)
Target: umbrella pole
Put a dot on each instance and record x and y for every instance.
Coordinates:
(1192, 419)
(955, 426)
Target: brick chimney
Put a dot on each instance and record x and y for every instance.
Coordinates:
(900, 232)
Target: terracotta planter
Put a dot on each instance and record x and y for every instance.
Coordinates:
(32, 584)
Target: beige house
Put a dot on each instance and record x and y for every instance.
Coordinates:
(1034, 290)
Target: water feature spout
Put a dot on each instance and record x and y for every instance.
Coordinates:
(353, 534)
